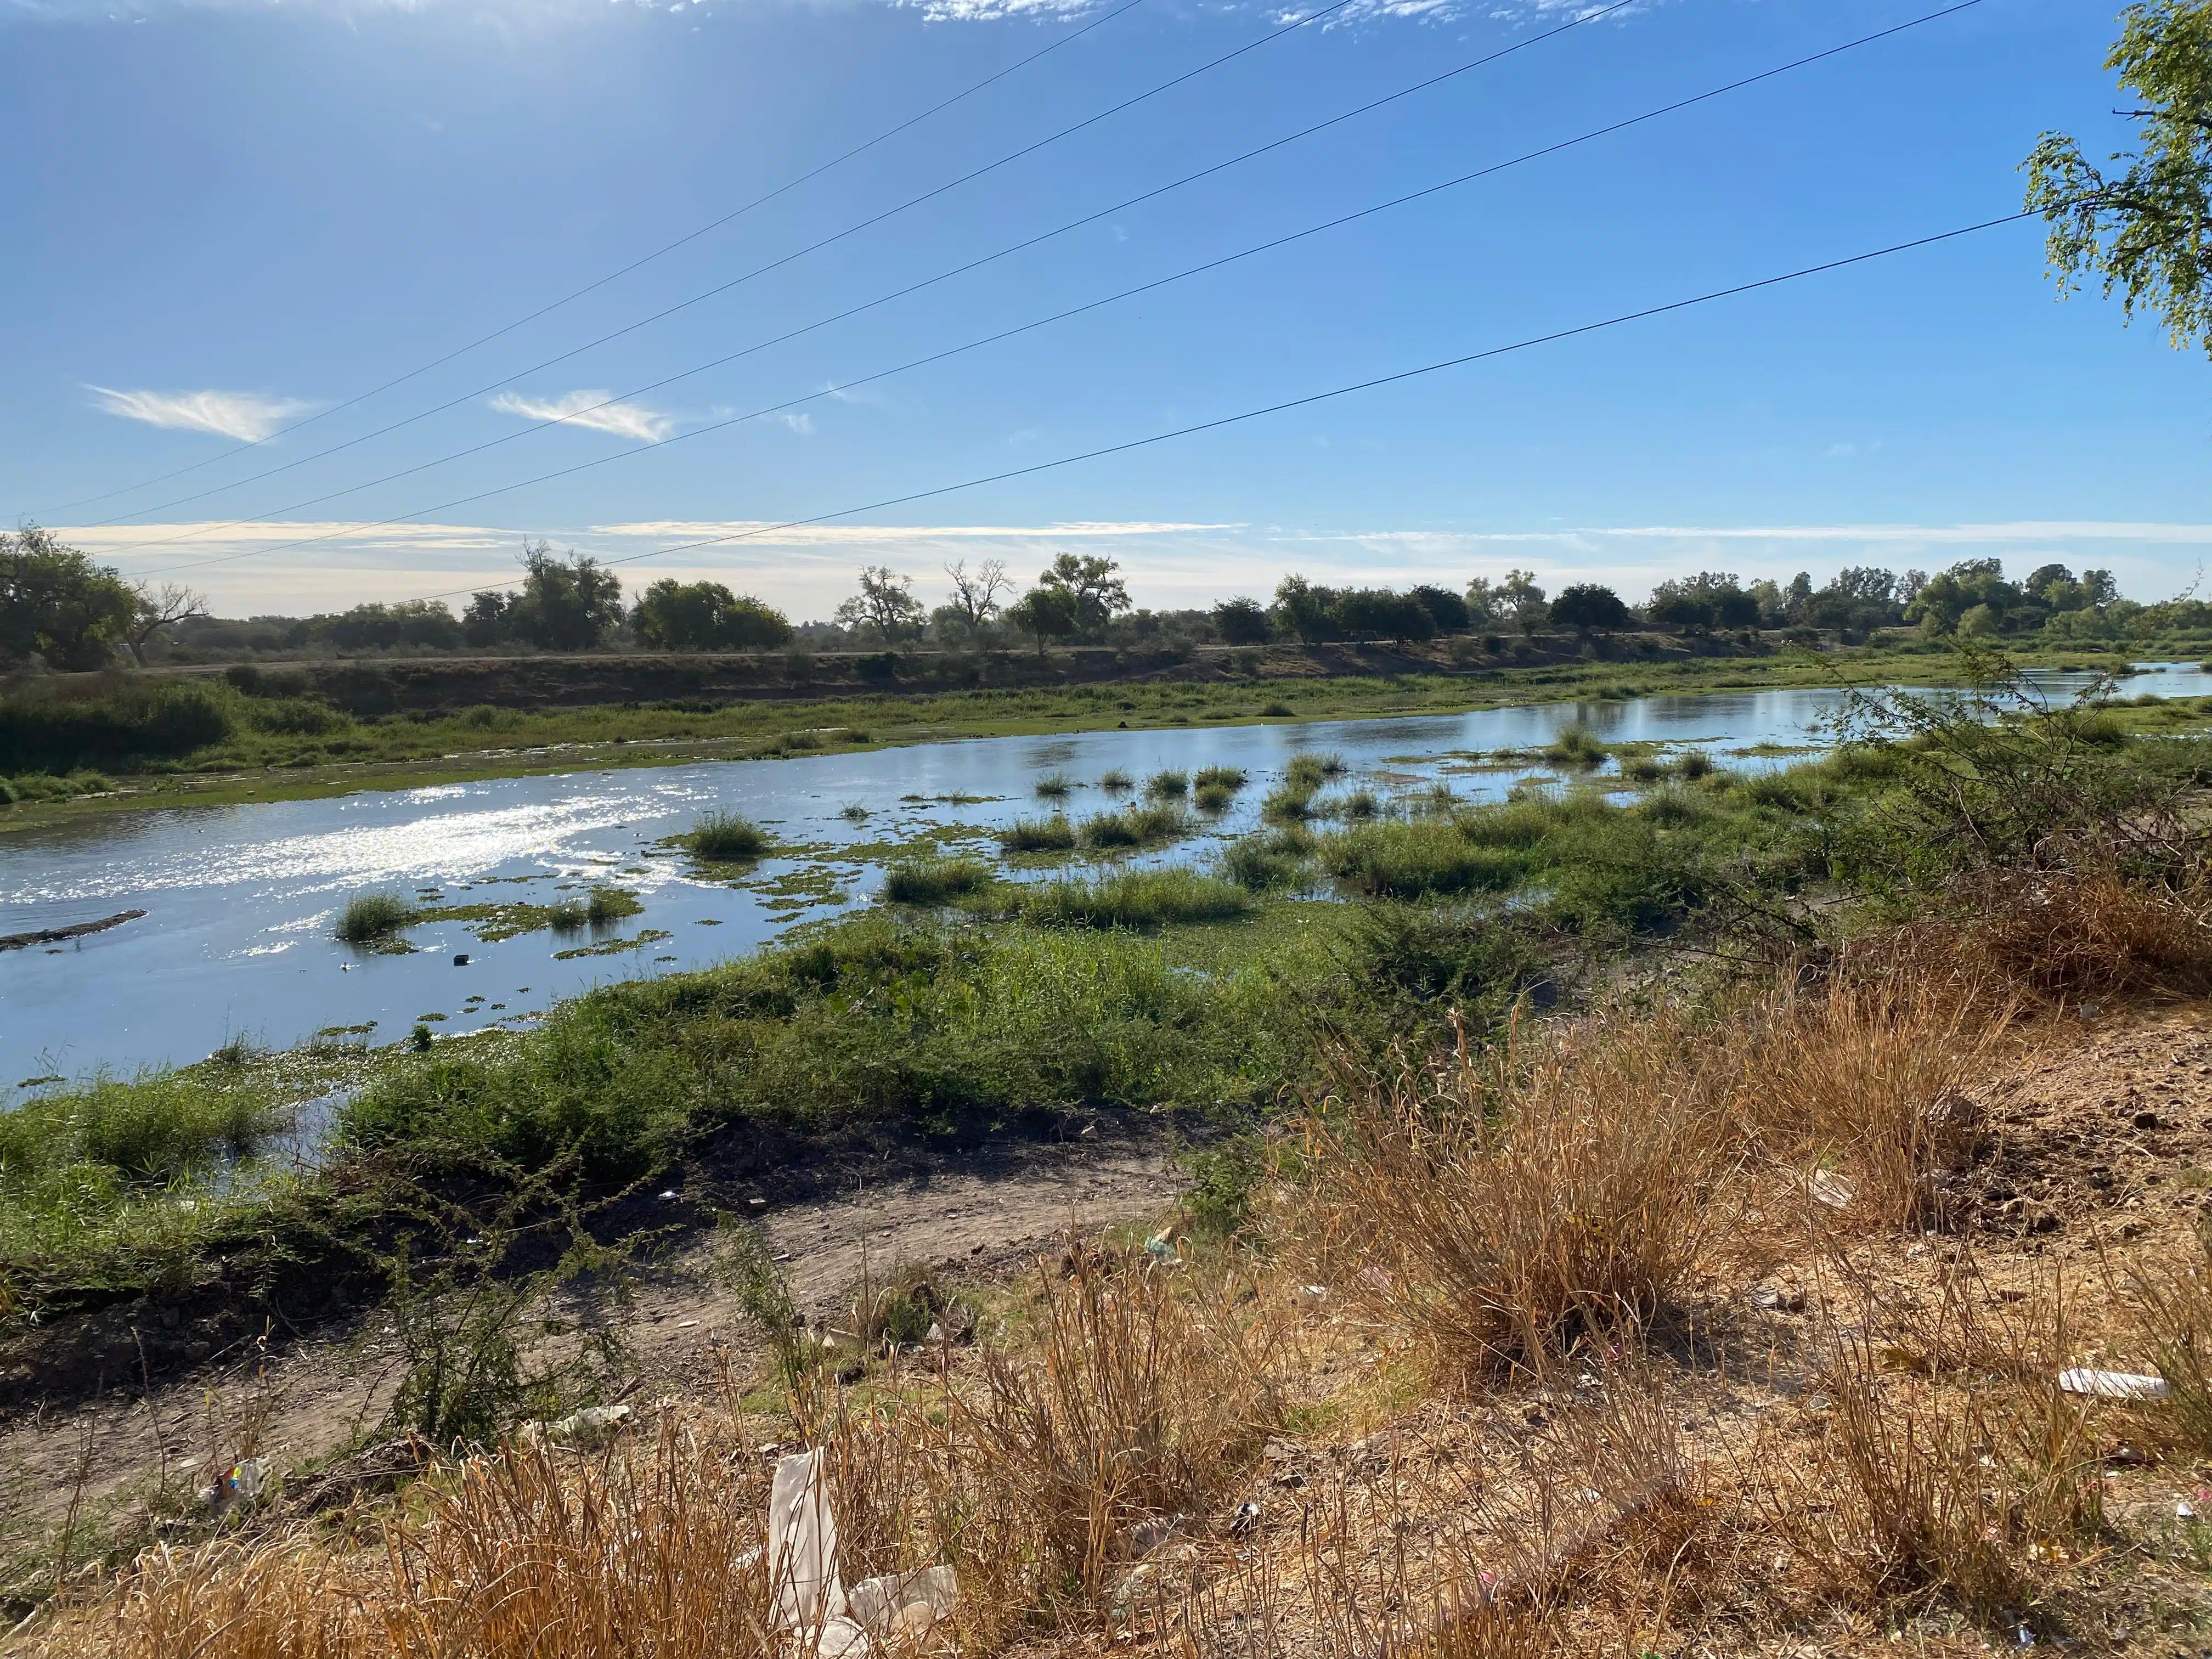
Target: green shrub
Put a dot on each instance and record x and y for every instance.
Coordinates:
(726, 838)
(158, 721)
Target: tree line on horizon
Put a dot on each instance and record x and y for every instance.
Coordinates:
(60, 611)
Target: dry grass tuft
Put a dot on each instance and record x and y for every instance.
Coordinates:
(1506, 1216)
(1918, 1490)
(1133, 1401)
(2068, 936)
(1873, 1074)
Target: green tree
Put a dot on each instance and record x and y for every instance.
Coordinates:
(1589, 607)
(885, 605)
(565, 605)
(55, 604)
(1046, 613)
(1305, 610)
(1100, 595)
(1241, 622)
(1514, 597)
(1446, 609)
(2148, 233)
(676, 616)
(1976, 585)
(1379, 612)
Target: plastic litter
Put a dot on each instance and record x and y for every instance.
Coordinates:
(1831, 1189)
(1312, 1296)
(1245, 1521)
(247, 1479)
(1161, 1248)
(895, 1608)
(2112, 1385)
(594, 1426)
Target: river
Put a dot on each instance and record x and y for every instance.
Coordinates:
(240, 900)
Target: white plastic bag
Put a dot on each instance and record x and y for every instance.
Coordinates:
(802, 1547)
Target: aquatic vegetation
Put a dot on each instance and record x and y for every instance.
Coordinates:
(1214, 797)
(934, 880)
(1055, 785)
(726, 838)
(1288, 803)
(1577, 745)
(1051, 835)
(1167, 786)
(1117, 781)
(372, 919)
(1135, 899)
(1135, 826)
(1230, 778)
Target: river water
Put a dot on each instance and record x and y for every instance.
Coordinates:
(240, 900)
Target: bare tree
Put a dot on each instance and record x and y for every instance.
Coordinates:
(159, 608)
(976, 596)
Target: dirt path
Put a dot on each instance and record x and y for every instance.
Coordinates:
(300, 1404)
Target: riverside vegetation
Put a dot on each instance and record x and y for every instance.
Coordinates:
(1561, 1076)
(138, 742)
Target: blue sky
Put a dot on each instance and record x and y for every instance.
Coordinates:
(227, 217)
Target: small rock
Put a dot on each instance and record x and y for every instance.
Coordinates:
(2145, 1120)
(460, 959)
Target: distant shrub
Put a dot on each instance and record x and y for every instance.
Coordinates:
(163, 721)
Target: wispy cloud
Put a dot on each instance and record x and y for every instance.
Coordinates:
(246, 415)
(593, 410)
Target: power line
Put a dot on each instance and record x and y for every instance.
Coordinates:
(1022, 328)
(1311, 398)
(198, 532)
(635, 264)
(799, 253)
(1436, 368)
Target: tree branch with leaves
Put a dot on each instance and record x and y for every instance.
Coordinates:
(2147, 234)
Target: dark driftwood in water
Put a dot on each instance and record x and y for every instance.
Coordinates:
(55, 935)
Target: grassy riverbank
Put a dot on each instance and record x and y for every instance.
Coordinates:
(175, 740)
(967, 1001)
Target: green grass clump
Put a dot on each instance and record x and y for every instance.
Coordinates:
(372, 917)
(568, 916)
(875, 1018)
(1264, 864)
(1117, 780)
(1215, 797)
(1577, 745)
(925, 880)
(1167, 786)
(1416, 858)
(1288, 803)
(726, 838)
(103, 1189)
(1361, 804)
(1055, 785)
(1051, 835)
(1135, 899)
(1230, 778)
(1694, 763)
(1134, 827)
(1309, 772)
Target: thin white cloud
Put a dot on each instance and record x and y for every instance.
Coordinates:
(868, 535)
(246, 415)
(593, 410)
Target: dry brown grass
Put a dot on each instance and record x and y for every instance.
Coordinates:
(2075, 934)
(1505, 1214)
(1873, 1073)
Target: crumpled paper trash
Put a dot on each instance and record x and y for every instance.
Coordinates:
(895, 1609)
